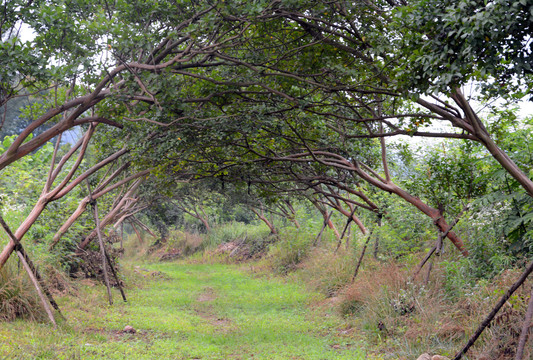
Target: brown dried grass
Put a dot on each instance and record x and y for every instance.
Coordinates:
(18, 298)
(326, 271)
(407, 319)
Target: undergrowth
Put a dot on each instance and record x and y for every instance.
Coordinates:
(399, 316)
(18, 297)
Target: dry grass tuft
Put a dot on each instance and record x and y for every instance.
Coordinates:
(406, 318)
(326, 271)
(18, 298)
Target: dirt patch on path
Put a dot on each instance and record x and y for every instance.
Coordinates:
(209, 294)
(206, 311)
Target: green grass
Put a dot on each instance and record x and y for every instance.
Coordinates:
(194, 312)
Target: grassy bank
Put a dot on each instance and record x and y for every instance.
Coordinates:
(189, 311)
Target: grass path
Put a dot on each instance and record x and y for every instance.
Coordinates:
(191, 312)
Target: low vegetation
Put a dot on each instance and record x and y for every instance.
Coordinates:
(189, 311)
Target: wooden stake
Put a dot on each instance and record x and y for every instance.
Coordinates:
(350, 219)
(494, 311)
(319, 236)
(24, 259)
(94, 205)
(525, 329)
(37, 287)
(115, 276)
(362, 255)
(348, 236)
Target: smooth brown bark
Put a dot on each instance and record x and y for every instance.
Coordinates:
(143, 226)
(139, 237)
(264, 219)
(66, 185)
(433, 213)
(114, 213)
(101, 190)
(327, 218)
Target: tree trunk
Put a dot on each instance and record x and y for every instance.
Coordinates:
(113, 213)
(23, 229)
(265, 220)
(433, 213)
(101, 243)
(137, 233)
(32, 273)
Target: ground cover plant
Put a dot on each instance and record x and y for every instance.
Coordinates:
(186, 311)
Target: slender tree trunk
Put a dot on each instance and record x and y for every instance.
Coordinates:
(433, 213)
(204, 218)
(143, 226)
(65, 186)
(137, 233)
(334, 228)
(263, 218)
(101, 190)
(352, 217)
(22, 230)
(113, 213)
(484, 137)
(292, 216)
